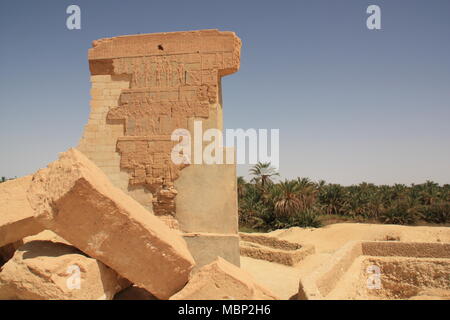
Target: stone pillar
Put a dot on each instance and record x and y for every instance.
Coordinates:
(143, 88)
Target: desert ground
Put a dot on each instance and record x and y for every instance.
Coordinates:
(59, 215)
(284, 280)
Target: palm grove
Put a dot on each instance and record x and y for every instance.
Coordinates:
(266, 205)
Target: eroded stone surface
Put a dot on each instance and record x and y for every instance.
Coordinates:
(405, 277)
(143, 88)
(134, 293)
(206, 247)
(207, 200)
(48, 270)
(403, 269)
(221, 280)
(73, 198)
(16, 214)
(164, 82)
(272, 249)
(46, 235)
(7, 251)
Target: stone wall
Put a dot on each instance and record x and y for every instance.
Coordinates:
(143, 88)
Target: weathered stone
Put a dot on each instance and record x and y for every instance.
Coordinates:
(171, 78)
(7, 251)
(134, 293)
(164, 203)
(221, 280)
(73, 198)
(260, 246)
(143, 88)
(170, 221)
(406, 268)
(56, 271)
(16, 214)
(210, 221)
(206, 247)
(46, 235)
(216, 212)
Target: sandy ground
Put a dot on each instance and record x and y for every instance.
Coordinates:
(283, 280)
(332, 237)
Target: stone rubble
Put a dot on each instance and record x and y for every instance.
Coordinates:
(221, 280)
(55, 271)
(16, 214)
(113, 210)
(74, 199)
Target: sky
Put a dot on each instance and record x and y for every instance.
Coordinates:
(351, 104)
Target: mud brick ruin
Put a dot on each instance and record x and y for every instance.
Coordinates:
(143, 88)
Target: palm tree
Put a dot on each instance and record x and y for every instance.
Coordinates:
(241, 186)
(429, 192)
(320, 184)
(375, 206)
(333, 199)
(263, 172)
(445, 192)
(287, 200)
(398, 191)
(307, 192)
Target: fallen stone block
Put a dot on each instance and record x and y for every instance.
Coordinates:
(206, 247)
(16, 214)
(46, 235)
(74, 198)
(55, 271)
(221, 280)
(7, 251)
(134, 293)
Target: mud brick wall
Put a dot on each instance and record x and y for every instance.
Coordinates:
(143, 88)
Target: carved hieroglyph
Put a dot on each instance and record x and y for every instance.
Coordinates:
(143, 88)
(173, 78)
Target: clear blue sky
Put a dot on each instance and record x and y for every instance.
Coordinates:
(351, 104)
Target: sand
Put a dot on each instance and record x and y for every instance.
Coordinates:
(284, 280)
(332, 237)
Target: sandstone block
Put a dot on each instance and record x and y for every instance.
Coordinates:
(221, 280)
(56, 271)
(134, 293)
(217, 183)
(74, 198)
(7, 251)
(16, 214)
(45, 235)
(206, 247)
(144, 87)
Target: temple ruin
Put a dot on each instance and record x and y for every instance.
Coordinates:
(116, 217)
(143, 88)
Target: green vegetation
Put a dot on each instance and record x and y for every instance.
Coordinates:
(4, 179)
(265, 205)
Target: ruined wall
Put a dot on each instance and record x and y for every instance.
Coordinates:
(143, 88)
